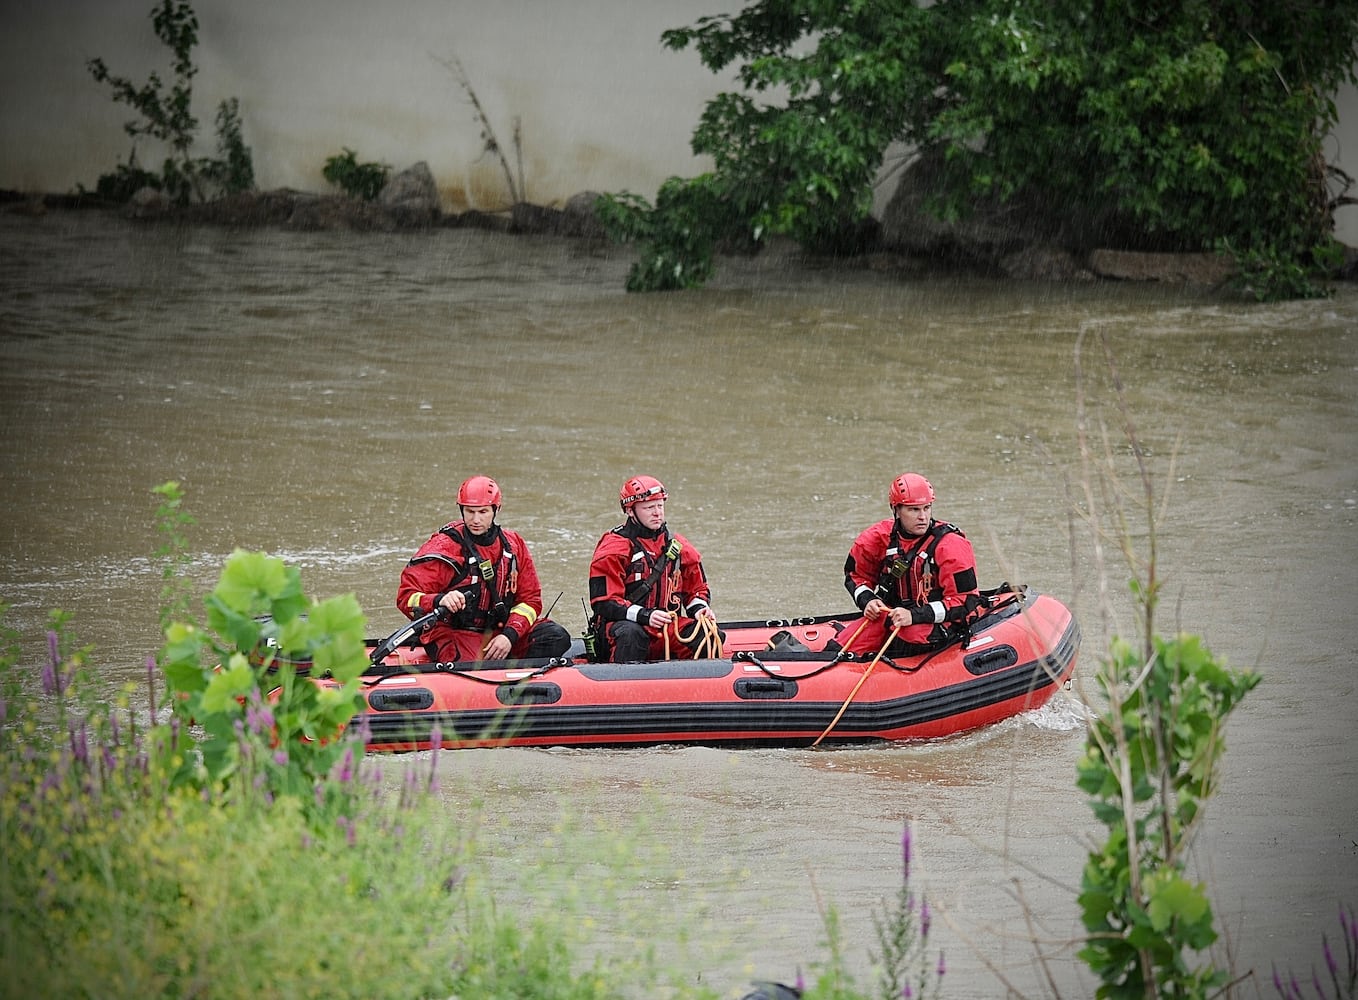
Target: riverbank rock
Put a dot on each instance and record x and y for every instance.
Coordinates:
(1179, 268)
(148, 203)
(576, 219)
(411, 197)
(1029, 240)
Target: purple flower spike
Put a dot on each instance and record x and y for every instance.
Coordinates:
(906, 992)
(799, 982)
(80, 744)
(54, 660)
(925, 919)
(905, 851)
(941, 967)
(280, 757)
(435, 744)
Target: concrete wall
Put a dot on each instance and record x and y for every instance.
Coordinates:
(601, 104)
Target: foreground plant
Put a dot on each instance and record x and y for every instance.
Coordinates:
(117, 882)
(905, 963)
(1336, 982)
(241, 690)
(1149, 767)
(255, 858)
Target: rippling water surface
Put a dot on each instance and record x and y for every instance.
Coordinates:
(320, 396)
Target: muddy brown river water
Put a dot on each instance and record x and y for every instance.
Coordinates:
(319, 396)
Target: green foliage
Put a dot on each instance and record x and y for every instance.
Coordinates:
(234, 168)
(364, 181)
(1270, 275)
(248, 692)
(114, 883)
(1151, 755)
(680, 231)
(125, 181)
(171, 523)
(1149, 767)
(1172, 126)
(167, 116)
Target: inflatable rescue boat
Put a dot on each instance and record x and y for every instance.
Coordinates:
(778, 682)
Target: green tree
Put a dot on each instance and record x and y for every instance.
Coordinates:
(167, 116)
(1185, 126)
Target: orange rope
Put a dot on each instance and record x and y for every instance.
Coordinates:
(710, 645)
(844, 707)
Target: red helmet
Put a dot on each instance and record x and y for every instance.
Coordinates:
(911, 489)
(479, 491)
(640, 488)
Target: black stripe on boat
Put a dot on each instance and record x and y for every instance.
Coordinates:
(748, 722)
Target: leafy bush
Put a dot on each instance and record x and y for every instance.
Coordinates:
(364, 181)
(167, 116)
(234, 168)
(1173, 125)
(1150, 763)
(1149, 767)
(120, 879)
(271, 640)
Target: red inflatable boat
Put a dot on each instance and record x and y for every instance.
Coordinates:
(776, 683)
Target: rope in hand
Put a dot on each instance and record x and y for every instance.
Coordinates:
(709, 647)
(844, 707)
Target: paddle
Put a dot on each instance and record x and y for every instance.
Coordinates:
(388, 645)
(844, 707)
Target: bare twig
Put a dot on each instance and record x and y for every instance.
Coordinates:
(492, 145)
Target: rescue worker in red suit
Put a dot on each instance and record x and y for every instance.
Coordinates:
(646, 583)
(482, 580)
(913, 573)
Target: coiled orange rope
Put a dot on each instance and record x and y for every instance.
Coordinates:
(709, 647)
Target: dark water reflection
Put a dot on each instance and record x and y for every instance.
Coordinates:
(320, 396)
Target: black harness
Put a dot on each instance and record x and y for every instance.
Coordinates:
(487, 606)
(895, 569)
